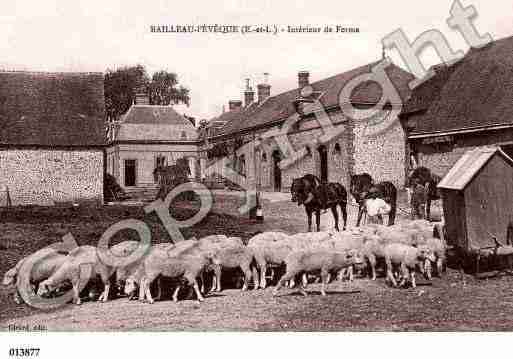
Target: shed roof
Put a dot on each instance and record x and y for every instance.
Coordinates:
(473, 93)
(52, 109)
(466, 168)
(278, 107)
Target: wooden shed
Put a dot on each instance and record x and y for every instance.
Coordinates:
(477, 196)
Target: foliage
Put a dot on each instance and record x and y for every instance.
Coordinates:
(111, 189)
(164, 89)
(122, 84)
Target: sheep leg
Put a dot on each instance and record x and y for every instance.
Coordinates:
(304, 279)
(390, 274)
(196, 289)
(372, 265)
(292, 283)
(325, 276)
(247, 276)
(263, 269)
(217, 272)
(412, 274)
(256, 282)
(75, 281)
(175, 293)
(405, 273)
(105, 294)
(141, 288)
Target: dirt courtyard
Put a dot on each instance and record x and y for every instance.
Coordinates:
(454, 302)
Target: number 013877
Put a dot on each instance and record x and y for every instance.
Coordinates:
(24, 352)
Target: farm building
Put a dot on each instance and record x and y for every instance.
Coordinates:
(147, 136)
(52, 137)
(463, 106)
(356, 149)
(477, 197)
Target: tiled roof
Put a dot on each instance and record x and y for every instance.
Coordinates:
(279, 107)
(52, 109)
(476, 93)
(154, 115)
(465, 169)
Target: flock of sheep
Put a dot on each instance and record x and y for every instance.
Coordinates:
(403, 249)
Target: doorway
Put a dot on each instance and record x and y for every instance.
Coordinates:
(130, 173)
(323, 157)
(277, 170)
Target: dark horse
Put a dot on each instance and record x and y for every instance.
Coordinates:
(362, 187)
(429, 180)
(309, 190)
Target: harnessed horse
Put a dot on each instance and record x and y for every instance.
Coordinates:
(315, 196)
(429, 180)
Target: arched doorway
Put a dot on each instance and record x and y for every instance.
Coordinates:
(323, 159)
(276, 170)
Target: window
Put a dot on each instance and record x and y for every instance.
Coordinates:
(183, 135)
(337, 149)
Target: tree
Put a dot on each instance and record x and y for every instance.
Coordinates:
(120, 87)
(164, 89)
(122, 84)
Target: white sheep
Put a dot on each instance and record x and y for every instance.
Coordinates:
(71, 270)
(41, 270)
(317, 260)
(408, 258)
(189, 264)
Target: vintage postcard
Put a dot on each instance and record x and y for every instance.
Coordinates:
(255, 166)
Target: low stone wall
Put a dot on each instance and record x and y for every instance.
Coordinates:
(50, 177)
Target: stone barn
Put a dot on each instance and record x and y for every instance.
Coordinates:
(477, 195)
(52, 137)
(465, 105)
(357, 147)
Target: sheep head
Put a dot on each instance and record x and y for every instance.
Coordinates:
(9, 277)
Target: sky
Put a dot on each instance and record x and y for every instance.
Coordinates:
(95, 35)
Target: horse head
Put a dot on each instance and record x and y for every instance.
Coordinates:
(297, 190)
(302, 189)
(360, 185)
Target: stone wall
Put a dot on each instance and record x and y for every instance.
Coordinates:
(380, 152)
(49, 177)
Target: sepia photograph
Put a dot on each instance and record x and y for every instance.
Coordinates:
(255, 166)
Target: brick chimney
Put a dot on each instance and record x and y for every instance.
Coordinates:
(234, 105)
(249, 94)
(303, 79)
(264, 89)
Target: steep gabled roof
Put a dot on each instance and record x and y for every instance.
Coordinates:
(475, 93)
(466, 168)
(52, 109)
(279, 107)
